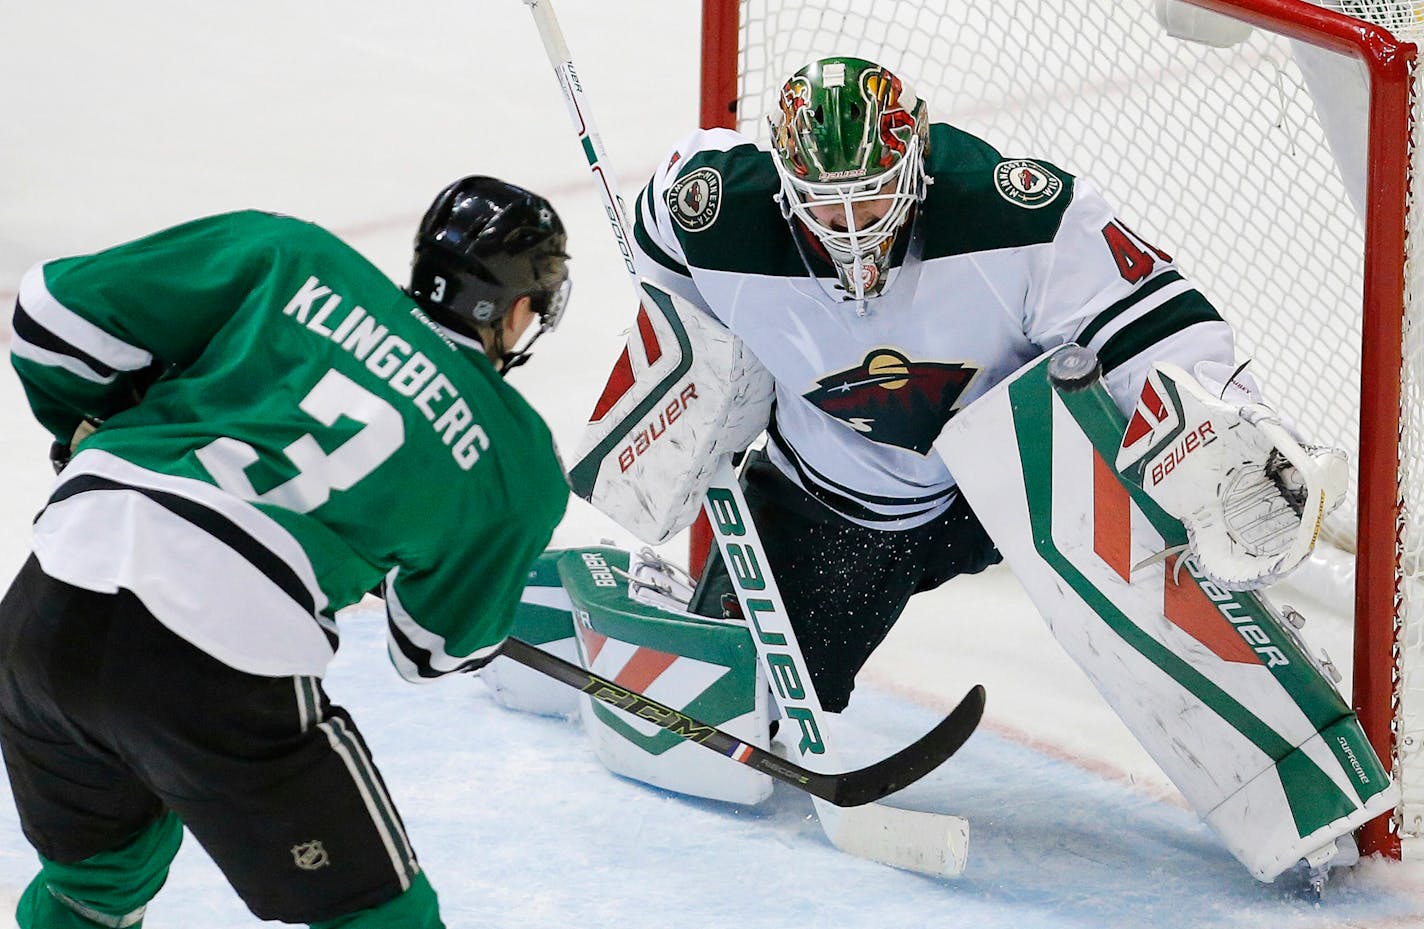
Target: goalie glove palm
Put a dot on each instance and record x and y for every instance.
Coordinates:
(1251, 496)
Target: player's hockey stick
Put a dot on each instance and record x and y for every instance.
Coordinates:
(931, 843)
(849, 788)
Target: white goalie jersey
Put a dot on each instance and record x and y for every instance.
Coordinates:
(1007, 258)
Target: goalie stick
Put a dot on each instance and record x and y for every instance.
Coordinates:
(930, 843)
(847, 789)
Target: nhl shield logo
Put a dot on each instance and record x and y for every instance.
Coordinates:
(695, 199)
(309, 856)
(1027, 183)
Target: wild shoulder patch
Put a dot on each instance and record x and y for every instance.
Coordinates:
(1027, 183)
(695, 199)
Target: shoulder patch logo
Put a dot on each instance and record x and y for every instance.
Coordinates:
(695, 199)
(1027, 183)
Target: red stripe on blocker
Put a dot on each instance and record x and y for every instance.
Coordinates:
(619, 383)
(651, 347)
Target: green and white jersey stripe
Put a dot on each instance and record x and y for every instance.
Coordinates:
(1010, 257)
(303, 433)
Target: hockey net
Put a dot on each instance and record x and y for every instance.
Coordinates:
(1224, 156)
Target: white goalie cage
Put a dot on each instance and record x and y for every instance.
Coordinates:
(1264, 193)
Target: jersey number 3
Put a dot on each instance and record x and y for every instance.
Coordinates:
(318, 473)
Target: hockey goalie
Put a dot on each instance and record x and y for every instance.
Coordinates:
(1162, 524)
(876, 293)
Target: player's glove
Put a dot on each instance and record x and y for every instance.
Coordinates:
(1251, 495)
(60, 453)
(138, 384)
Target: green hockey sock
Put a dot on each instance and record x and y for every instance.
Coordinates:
(109, 889)
(416, 908)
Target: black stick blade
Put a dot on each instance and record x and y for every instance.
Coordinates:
(915, 760)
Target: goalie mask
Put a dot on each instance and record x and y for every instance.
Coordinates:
(481, 246)
(849, 147)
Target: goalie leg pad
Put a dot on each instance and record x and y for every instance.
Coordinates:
(705, 667)
(544, 619)
(843, 585)
(1221, 696)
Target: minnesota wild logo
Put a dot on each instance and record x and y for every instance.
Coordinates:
(893, 400)
(695, 199)
(1027, 183)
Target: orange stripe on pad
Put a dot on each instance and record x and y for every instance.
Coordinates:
(1188, 607)
(593, 642)
(643, 668)
(1112, 520)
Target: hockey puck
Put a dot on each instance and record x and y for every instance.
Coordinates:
(1074, 367)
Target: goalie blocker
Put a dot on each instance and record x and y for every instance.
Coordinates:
(684, 393)
(1217, 688)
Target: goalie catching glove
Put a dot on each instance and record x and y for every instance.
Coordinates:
(1251, 495)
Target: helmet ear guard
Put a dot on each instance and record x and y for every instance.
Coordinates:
(482, 245)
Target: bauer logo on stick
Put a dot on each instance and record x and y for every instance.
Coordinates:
(696, 198)
(1027, 183)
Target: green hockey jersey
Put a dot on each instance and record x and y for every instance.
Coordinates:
(282, 429)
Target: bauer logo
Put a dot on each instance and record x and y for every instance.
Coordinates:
(766, 616)
(1156, 423)
(695, 199)
(1027, 183)
(656, 427)
(598, 570)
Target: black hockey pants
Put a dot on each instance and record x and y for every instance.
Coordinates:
(109, 721)
(844, 585)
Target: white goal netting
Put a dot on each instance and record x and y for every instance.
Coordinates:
(1218, 155)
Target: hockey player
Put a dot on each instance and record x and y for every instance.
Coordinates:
(263, 428)
(887, 271)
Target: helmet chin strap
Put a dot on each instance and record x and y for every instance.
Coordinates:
(495, 349)
(511, 360)
(504, 359)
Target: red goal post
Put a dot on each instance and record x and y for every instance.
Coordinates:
(1132, 107)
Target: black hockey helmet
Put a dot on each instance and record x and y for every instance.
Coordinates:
(481, 246)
